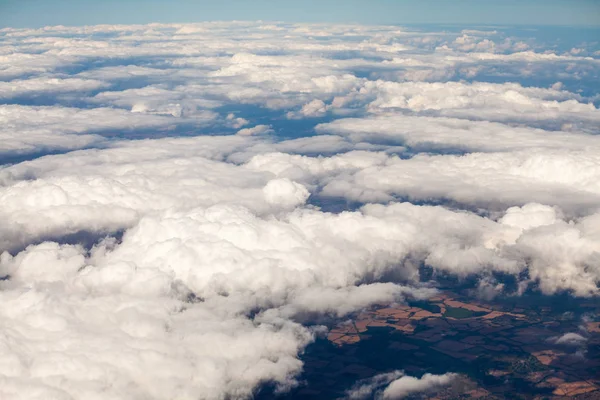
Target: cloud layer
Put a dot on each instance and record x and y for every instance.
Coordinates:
(183, 204)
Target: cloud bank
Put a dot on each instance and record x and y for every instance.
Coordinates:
(184, 204)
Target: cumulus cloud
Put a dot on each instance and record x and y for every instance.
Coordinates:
(570, 339)
(36, 87)
(315, 108)
(567, 179)
(285, 193)
(222, 186)
(407, 385)
(449, 134)
(27, 129)
(396, 385)
(530, 216)
(141, 292)
(366, 389)
(256, 130)
(507, 102)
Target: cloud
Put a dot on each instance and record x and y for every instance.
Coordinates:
(256, 130)
(452, 134)
(183, 203)
(234, 258)
(530, 216)
(562, 178)
(407, 385)
(42, 86)
(365, 389)
(285, 193)
(570, 339)
(117, 339)
(507, 102)
(133, 300)
(27, 129)
(396, 385)
(315, 108)
(116, 186)
(155, 99)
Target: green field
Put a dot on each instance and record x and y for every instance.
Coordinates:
(458, 313)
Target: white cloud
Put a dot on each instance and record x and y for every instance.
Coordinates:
(435, 134)
(315, 108)
(255, 130)
(197, 258)
(396, 385)
(407, 385)
(40, 86)
(285, 193)
(366, 389)
(570, 339)
(530, 216)
(129, 300)
(508, 102)
(567, 179)
(28, 129)
(159, 100)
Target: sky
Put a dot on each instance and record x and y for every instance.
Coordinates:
(37, 13)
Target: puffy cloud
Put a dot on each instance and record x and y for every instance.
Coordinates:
(452, 134)
(255, 130)
(530, 216)
(41, 86)
(158, 100)
(116, 186)
(396, 385)
(570, 339)
(567, 179)
(507, 102)
(366, 389)
(150, 266)
(556, 251)
(27, 129)
(19, 64)
(407, 385)
(315, 108)
(118, 339)
(135, 302)
(285, 193)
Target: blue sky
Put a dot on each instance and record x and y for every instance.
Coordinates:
(35, 13)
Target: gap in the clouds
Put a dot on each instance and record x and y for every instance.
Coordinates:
(438, 149)
(336, 205)
(283, 127)
(330, 370)
(78, 100)
(7, 159)
(509, 291)
(188, 129)
(84, 238)
(470, 283)
(162, 62)
(138, 82)
(345, 55)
